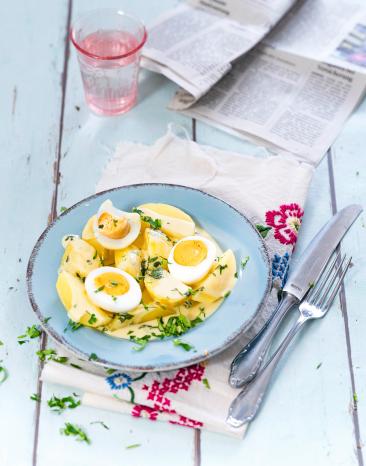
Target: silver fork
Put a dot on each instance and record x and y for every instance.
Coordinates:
(315, 305)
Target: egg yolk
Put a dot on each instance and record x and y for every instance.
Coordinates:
(111, 283)
(190, 253)
(114, 228)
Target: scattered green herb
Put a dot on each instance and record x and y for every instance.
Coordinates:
(123, 317)
(51, 355)
(98, 290)
(155, 224)
(182, 344)
(92, 319)
(63, 209)
(75, 365)
(35, 397)
(32, 332)
(3, 374)
(76, 431)
(244, 262)
(206, 383)
(263, 230)
(236, 274)
(221, 268)
(134, 445)
(226, 295)
(319, 365)
(47, 319)
(59, 405)
(93, 357)
(73, 326)
(101, 423)
(355, 397)
(110, 371)
(141, 342)
(1, 343)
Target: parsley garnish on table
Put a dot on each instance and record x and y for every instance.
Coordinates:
(59, 405)
(101, 423)
(32, 332)
(75, 431)
(50, 354)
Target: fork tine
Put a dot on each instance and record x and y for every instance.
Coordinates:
(335, 272)
(337, 286)
(318, 287)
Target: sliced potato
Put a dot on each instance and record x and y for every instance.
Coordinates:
(157, 243)
(152, 311)
(174, 222)
(167, 289)
(73, 296)
(106, 255)
(219, 281)
(129, 259)
(79, 258)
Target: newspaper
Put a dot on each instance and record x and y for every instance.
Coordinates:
(295, 90)
(195, 43)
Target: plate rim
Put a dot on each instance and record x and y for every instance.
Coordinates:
(57, 337)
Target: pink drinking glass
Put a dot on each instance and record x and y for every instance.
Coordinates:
(109, 44)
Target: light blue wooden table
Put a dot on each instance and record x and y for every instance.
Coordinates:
(52, 153)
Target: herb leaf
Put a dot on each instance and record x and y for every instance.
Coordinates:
(244, 262)
(59, 405)
(134, 445)
(263, 230)
(206, 383)
(182, 344)
(76, 431)
(93, 357)
(93, 319)
(155, 224)
(35, 397)
(101, 423)
(32, 332)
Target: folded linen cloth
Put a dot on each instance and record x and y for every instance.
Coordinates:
(271, 191)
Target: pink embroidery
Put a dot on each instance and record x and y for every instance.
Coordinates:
(286, 222)
(139, 410)
(182, 380)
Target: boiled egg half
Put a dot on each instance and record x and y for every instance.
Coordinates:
(191, 258)
(113, 289)
(114, 228)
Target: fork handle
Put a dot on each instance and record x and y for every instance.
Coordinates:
(247, 363)
(245, 406)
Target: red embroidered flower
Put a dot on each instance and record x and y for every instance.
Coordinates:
(145, 411)
(186, 422)
(286, 222)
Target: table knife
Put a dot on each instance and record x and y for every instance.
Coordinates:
(300, 279)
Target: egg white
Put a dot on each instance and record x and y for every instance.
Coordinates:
(190, 274)
(121, 303)
(133, 219)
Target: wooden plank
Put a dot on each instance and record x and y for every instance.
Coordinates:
(87, 143)
(31, 65)
(349, 171)
(305, 417)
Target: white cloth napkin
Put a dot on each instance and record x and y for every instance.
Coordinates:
(271, 190)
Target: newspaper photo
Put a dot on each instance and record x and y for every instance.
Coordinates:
(195, 43)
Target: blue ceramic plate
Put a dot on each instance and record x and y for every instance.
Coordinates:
(229, 227)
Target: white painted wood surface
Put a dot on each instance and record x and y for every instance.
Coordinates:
(308, 416)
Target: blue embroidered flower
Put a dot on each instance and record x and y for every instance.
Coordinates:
(280, 267)
(119, 381)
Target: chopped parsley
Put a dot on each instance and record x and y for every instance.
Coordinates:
(1, 343)
(92, 319)
(110, 371)
(154, 223)
(47, 319)
(58, 405)
(113, 283)
(73, 326)
(355, 397)
(221, 268)
(263, 230)
(63, 209)
(32, 332)
(3, 374)
(134, 445)
(319, 365)
(75, 431)
(95, 255)
(141, 342)
(35, 397)
(236, 274)
(98, 290)
(244, 262)
(74, 365)
(51, 355)
(101, 423)
(93, 357)
(226, 295)
(206, 383)
(156, 273)
(182, 344)
(123, 317)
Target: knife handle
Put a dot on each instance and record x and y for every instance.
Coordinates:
(248, 361)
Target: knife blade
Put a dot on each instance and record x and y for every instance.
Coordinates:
(300, 279)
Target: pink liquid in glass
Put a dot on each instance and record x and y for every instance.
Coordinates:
(110, 83)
